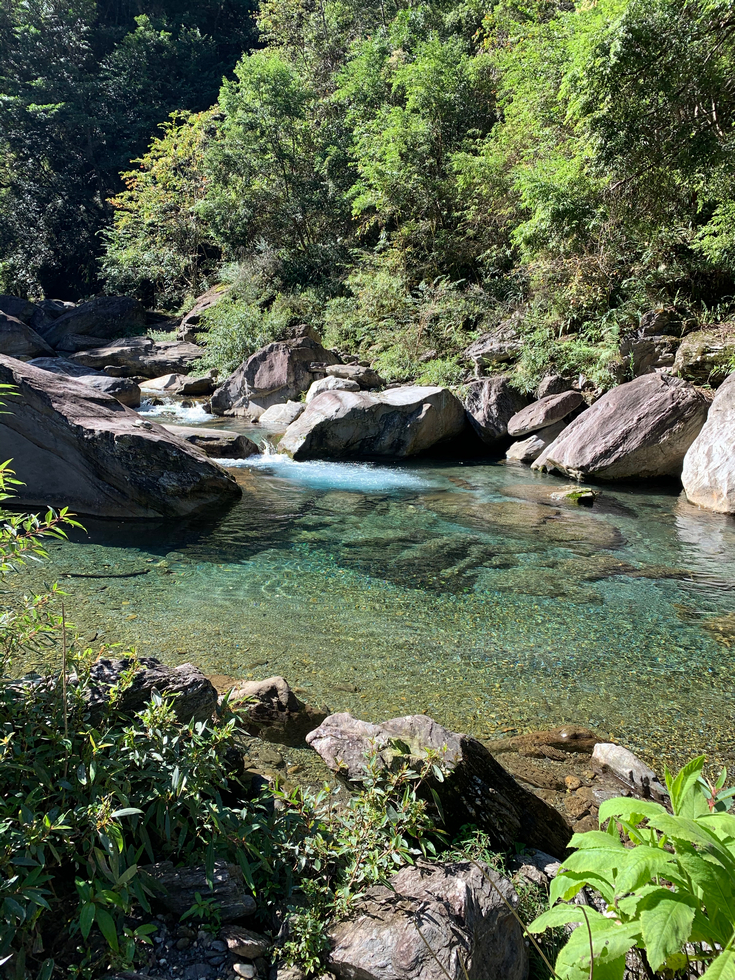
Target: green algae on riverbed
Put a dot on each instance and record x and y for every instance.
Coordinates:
(463, 591)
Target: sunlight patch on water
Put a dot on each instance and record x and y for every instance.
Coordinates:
(171, 410)
(361, 477)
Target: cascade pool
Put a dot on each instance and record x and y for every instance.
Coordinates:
(463, 591)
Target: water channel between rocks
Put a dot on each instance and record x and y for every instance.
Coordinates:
(460, 590)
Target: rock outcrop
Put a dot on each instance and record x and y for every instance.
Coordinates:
(362, 425)
(187, 330)
(709, 465)
(141, 356)
(19, 340)
(477, 789)
(706, 356)
(126, 391)
(490, 405)
(33, 315)
(275, 374)
(640, 429)
(80, 448)
(217, 443)
(543, 413)
(498, 346)
(195, 698)
(433, 922)
(104, 317)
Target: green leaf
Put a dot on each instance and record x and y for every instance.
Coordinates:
(640, 865)
(666, 922)
(629, 809)
(723, 968)
(127, 811)
(715, 883)
(107, 928)
(47, 968)
(686, 800)
(595, 839)
(86, 918)
(561, 915)
(603, 861)
(722, 824)
(566, 885)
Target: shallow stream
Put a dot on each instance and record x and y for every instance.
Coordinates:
(461, 590)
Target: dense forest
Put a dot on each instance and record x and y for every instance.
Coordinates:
(403, 176)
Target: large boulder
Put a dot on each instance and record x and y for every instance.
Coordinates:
(277, 373)
(706, 356)
(218, 443)
(330, 384)
(529, 449)
(432, 922)
(490, 405)
(76, 447)
(187, 329)
(641, 429)
(543, 413)
(709, 465)
(366, 377)
(477, 789)
(362, 425)
(22, 309)
(126, 391)
(141, 356)
(181, 384)
(19, 340)
(282, 415)
(106, 317)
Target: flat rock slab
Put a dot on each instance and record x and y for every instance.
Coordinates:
(142, 356)
(19, 340)
(543, 413)
(640, 429)
(362, 425)
(125, 390)
(477, 789)
(217, 443)
(709, 465)
(73, 446)
(435, 921)
(491, 404)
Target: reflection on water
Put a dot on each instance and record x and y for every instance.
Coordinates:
(459, 590)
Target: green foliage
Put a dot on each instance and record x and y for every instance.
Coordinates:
(669, 891)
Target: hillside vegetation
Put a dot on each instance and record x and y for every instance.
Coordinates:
(406, 176)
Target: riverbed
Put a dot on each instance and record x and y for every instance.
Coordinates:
(459, 589)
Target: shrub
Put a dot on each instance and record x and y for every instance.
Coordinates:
(668, 886)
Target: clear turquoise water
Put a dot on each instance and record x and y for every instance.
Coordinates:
(461, 590)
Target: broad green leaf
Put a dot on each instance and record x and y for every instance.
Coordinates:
(561, 915)
(107, 928)
(722, 824)
(86, 918)
(127, 811)
(666, 922)
(629, 809)
(683, 828)
(715, 883)
(723, 968)
(641, 864)
(603, 861)
(565, 886)
(683, 787)
(595, 839)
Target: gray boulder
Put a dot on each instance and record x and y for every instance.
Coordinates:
(477, 788)
(282, 415)
(181, 384)
(330, 384)
(105, 317)
(277, 373)
(141, 356)
(22, 309)
(628, 769)
(433, 922)
(19, 340)
(543, 413)
(272, 711)
(490, 405)
(640, 429)
(218, 443)
(553, 384)
(642, 355)
(498, 346)
(195, 698)
(76, 447)
(528, 450)
(358, 425)
(366, 377)
(126, 391)
(709, 465)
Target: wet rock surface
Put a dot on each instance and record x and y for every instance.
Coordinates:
(709, 465)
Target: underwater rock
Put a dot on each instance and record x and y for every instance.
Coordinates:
(477, 789)
(722, 628)
(396, 423)
(433, 922)
(543, 413)
(640, 429)
(76, 447)
(709, 465)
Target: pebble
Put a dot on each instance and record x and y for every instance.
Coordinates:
(572, 782)
(246, 970)
(183, 943)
